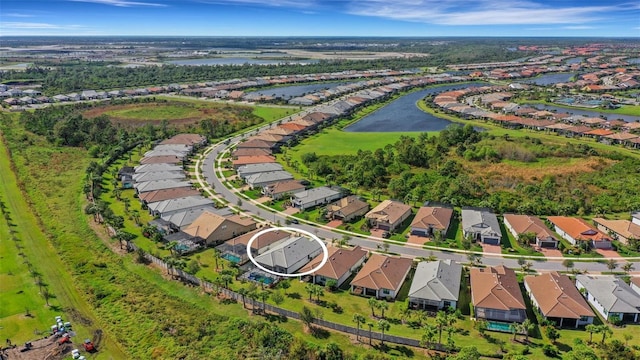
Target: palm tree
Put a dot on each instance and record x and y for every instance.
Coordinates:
(373, 303)
(611, 264)
(359, 319)
(306, 316)
(310, 289)
(264, 295)
(568, 264)
(383, 325)
(370, 325)
(171, 246)
(216, 256)
(382, 305)
(591, 328)
(442, 320)
(48, 295)
(243, 293)
(515, 328)
(428, 335)
(126, 202)
(605, 330)
(628, 267)
(135, 214)
(253, 295)
(527, 326)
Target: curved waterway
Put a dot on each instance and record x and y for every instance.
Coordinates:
(288, 92)
(404, 115)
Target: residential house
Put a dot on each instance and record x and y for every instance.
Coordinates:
(167, 159)
(166, 194)
(195, 140)
(318, 196)
(576, 230)
(481, 224)
(635, 217)
(170, 206)
(263, 242)
(431, 219)
(635, 284)
(388, 215)
(290, 255)
(495, 295)
(158, 175)
(213, 229)
(558, 299)
(435, 285)
(125, 175)
(340, 265)
(157, 167)
(246, 170)
(282, 188)
(250, 152)
(159, 185)
(522, 224)
(181, 154)
(181, 220)
(256, 144)
(381, 276)
(611, 297)
(621, 230)
(347, 209)
(263, 179)
(248, 160)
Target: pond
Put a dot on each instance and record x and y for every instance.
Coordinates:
(549, 79)
(288, 92)
(237, 61)
(575, 60)
(404, 115)
(589, 113)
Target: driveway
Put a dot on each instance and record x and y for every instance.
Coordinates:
(420, 240)
(291, 211)
(608, 253)
(334, 223)
(550, 252)
(491, 249)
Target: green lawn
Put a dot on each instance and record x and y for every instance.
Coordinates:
(271, 113)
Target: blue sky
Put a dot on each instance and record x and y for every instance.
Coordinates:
(611, 18)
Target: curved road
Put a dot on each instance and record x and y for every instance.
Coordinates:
(210, 181)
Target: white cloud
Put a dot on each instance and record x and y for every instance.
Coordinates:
(121, 3)
(18, 15)
(40, 26)
(270, 3)
(478, 12)
(579, 27)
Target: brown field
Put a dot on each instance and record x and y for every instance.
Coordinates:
(506, 170)
(179, 114)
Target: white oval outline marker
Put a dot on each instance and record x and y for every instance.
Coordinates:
(325, 251)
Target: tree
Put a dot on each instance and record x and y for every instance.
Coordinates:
(306, 316)
(611, 264)
(628, 267)
(284, 285)
(442, 321)
(591, 328)
(277, 297)
(318, 292)
(383, 325)
(527, 326)
(605, 330)
(373, 303)
(552, 334)
(227, 277)
(264, 295)
(193, 267)
(370, 325)
(135, 214)
(310, 289)
(568, 264)
(359, 319)
(216, 256)
(514, 327)
(46, 294)
(428, 335)
(243, 293)
(467, 353)
(382, 305)
(482, 326)
(331, 284)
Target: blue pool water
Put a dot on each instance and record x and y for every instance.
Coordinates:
(259, 278)
(234, 259)
(498, 326)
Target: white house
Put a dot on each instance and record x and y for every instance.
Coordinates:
(611, 297)
(436, 285)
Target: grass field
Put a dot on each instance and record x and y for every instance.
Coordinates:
(154, 111)
(45, 259)
(271, 113)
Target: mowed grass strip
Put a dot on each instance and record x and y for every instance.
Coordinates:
(155, 111)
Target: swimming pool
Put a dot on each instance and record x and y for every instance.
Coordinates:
(234, 259)
(498, 326)
(259, 278)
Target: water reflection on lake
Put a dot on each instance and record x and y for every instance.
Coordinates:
(237, 61)
(403, 114)
(288, 92)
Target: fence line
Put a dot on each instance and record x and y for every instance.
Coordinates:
(179, 273)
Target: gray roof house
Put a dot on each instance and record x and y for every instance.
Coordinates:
(157, 167)
(482, 225)
(635, 217)
(167, 207)
(436, 285)
(611, 297)
(160, 184)
(182, 219)
(246, 170)
(312, 197)
(290, 255)
(168, 152)
(266, 178)
(175, 147)
(158, 175)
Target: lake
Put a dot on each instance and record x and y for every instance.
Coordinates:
(404, 115)
(548, 79)
(237, 61)
(589, 113)
(288, 92)
(575, 60)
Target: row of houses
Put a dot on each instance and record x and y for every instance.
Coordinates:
(468, 103)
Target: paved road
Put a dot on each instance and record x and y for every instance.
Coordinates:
(209, 176)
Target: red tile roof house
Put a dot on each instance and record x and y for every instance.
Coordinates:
(381, 276)
(558, 299)
(521, 224)
(238, 245)
(430, 219)
(388, 215)
(576, 230)
(340, 265)
(621, 230)
(247, 160)
(495, 295)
